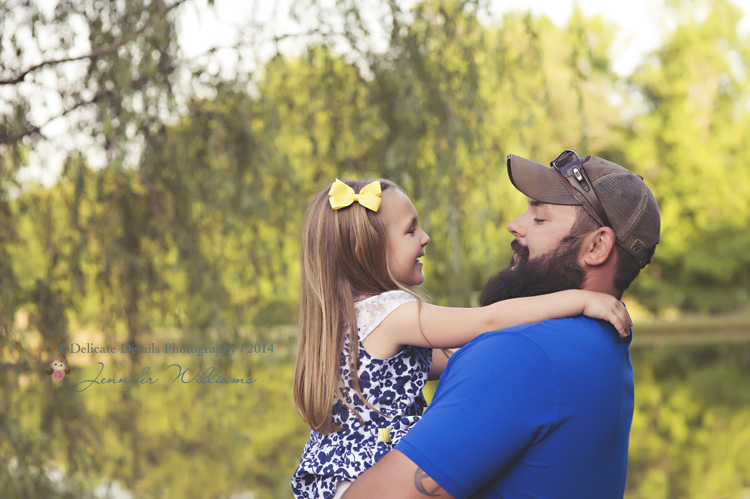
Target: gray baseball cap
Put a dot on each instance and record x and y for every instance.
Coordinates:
(627, 201)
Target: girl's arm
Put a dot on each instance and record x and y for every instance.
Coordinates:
(422, 324)
(439, 361)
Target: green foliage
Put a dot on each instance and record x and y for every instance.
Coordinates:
(691, 145)
(105, 66)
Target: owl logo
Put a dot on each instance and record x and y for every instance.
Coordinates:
(59, 370)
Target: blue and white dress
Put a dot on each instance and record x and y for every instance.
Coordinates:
(393, 386)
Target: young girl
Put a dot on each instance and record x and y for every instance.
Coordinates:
(365, 341)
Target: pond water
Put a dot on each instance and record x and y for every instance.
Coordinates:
(690, 436)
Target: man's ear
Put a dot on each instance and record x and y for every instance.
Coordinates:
(598, 246)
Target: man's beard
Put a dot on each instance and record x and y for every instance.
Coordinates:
(555, 271)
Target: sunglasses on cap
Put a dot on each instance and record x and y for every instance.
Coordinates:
(570, 166)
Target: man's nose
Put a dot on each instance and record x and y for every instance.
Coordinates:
(515, 227)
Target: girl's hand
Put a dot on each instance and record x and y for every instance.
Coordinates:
(608, 308)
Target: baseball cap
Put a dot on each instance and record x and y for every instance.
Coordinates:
(627, 201)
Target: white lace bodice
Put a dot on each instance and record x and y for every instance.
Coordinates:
(373, 310)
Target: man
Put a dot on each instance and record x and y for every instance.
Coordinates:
(541, 410)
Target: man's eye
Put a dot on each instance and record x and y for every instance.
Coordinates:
(411, 231)
(538, 220)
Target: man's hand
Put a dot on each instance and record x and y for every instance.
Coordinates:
(396, 477)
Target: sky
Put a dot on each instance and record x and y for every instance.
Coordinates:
(642, 23)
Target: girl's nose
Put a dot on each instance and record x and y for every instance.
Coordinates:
(425, 239)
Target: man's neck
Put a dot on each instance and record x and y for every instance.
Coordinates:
(600, 279)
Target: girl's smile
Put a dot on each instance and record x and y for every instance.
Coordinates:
(406, 239)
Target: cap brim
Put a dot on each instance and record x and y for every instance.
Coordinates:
(539, 182)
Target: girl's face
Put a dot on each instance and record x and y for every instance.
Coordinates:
(406, 240)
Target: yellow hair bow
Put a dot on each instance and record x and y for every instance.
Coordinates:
(341, 195)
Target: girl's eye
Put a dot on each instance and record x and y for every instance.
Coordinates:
(538, 220)
(411, 231)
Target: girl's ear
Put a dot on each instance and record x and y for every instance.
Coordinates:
(599, 246)
(357, 253)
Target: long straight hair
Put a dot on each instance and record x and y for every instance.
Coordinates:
(343, 259)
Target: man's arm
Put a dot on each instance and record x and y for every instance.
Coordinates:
(396, 477)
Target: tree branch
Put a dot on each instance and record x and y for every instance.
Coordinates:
(97, 53)
(36, 129)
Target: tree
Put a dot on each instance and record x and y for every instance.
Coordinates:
(107, 68)
(690, 144)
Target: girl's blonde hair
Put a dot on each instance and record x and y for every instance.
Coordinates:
(343, 259)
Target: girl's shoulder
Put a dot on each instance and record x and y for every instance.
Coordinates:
(394, 296)
(372, 310)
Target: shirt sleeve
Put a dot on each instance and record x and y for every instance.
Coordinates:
(496, 398)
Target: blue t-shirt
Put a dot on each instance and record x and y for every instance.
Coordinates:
(540, 410)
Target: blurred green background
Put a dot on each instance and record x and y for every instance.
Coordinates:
(175, 218)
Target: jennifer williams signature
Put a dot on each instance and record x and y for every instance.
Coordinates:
(210, 376)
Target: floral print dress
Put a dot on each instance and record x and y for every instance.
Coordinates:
(393, 386)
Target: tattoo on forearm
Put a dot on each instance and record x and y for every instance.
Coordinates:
(419, 478)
